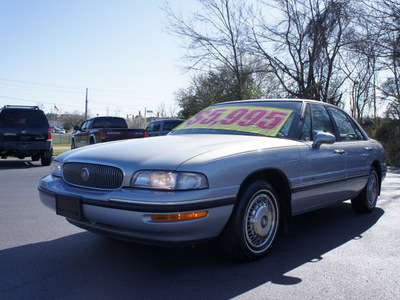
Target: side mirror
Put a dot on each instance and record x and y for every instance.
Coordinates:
(323, 138)
(76, 128)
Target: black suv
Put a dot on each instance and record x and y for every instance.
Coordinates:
(25, 131)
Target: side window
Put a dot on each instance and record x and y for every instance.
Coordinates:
(321, 122)
(169, 125)
(150, 127)
(306, 133)
(344, 125)
(157, 126)
(85, 125)
(359, 134)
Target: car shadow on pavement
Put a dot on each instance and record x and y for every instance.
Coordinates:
(18, 164)
(86, 266)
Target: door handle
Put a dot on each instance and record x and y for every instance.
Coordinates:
(339, 151)
(369, 148)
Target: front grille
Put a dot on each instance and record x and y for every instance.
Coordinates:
(93, 176)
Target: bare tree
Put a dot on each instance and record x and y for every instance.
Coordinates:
(137, 122)
(172, 111)
(213, 37)
(360, 65)
(303, 47)
(384, 17)
(161, 112)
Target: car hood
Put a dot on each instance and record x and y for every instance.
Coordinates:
(171, 151)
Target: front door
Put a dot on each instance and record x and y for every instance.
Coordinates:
(322, 170)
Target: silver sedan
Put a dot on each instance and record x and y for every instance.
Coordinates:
(237, 171)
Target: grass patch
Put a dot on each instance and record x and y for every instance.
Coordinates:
(59, 151)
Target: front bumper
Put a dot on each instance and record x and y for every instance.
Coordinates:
(126, 213)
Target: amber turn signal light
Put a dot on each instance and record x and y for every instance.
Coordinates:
(179, 217)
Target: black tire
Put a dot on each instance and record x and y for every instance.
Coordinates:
(46, 157)
(366, 201)
(73, 145)
(91, 141)
(46, 161)
(254, 223)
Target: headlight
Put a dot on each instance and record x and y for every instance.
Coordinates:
(56, 169)
(168, 180)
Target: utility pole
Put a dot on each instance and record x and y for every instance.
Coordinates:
(86, 103)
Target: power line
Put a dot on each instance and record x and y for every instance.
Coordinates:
(137, 99)
(36, 101)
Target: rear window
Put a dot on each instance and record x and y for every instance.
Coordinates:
(109, 123)
(23, 118)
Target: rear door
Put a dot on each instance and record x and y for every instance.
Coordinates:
(358, 151)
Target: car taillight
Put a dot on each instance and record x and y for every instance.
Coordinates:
(49, 134)
(145, 134)
(103, 134)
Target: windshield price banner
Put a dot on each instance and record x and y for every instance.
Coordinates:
(256, 119)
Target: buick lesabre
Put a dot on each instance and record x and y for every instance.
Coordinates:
(238, 171)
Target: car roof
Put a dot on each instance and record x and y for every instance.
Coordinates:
(273, 100)
(298, 100)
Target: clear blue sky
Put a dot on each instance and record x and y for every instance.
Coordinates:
(52, 50)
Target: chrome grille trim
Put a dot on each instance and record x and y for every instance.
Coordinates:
(100, 176)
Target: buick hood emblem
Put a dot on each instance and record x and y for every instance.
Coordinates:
(85, 174)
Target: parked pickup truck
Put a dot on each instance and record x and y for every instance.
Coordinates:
(103, 129)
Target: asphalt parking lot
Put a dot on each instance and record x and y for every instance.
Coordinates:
(332, 253)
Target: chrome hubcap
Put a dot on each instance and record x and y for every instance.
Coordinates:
(261, 221)
(372, 189)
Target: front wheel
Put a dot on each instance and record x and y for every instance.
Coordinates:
(254, 223)
(366, 200)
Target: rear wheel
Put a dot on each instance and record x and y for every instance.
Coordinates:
(366, 200)
(73, 145)
(254, 223)
(45, 161)
(46, 156)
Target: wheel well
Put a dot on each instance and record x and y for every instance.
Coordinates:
(281, 185)
(92, 139)
(378, 169)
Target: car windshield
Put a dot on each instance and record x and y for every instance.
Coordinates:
(265, 118)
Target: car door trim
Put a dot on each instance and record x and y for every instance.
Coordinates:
(327, 183)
